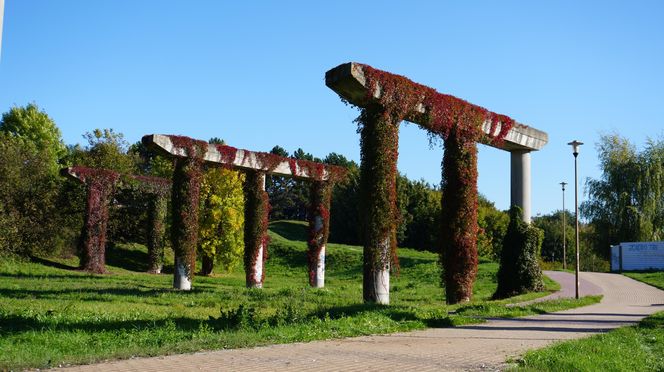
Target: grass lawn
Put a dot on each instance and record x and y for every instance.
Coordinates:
(51, 314)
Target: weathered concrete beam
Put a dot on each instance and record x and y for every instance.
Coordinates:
(349, 82)
(245, 159)
(80, 174)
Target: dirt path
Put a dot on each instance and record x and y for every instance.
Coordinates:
(484, 346)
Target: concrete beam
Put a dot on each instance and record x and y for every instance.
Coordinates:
(81, 173)
(349, 82)
(244, 159)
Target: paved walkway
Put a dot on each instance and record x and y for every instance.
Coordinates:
(484, 346)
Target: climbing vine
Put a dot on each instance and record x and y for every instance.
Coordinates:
(256, 219)
(379, 138)
(101, 184)
(439, 113)
(460, 124)
(459, 227)
(92, 244)
(319, 224)
(187, 177)
(156, 190)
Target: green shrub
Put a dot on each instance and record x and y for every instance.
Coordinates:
(519, 270)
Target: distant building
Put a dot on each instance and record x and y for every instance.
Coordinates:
(637, 256)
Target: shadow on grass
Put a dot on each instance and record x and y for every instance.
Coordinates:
(92, 294)
(50, 263)
(12, 324)
(290, 230)
(128, 259)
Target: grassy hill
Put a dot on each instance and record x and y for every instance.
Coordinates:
(51, 314)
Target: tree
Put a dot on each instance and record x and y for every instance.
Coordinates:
(627, 202)
(492, 229)
(221, 229)
(344, 213)
(552, 245)
(105, 149)
(423, 209)
(29, 214)
(31, 125)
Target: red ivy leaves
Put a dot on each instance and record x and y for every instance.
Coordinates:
(460, 124)
(443, 112)
(321, 193)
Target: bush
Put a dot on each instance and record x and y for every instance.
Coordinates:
(519, 270)
(29, 218)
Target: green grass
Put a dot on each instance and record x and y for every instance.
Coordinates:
(654, 278)
(636, 348)
(51, 314)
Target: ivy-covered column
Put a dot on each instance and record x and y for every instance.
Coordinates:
(156, 228)
(92, 245)
(379, 141)
(319, 229)
(256, 212)
(184, 230)
(459, 218)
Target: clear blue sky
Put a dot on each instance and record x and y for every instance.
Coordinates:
(252, 72)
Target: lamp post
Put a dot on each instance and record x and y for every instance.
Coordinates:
(564, 232)
(575, 151)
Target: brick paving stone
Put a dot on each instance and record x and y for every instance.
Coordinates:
(481, 347)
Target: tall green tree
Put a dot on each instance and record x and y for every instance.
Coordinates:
(30, 125)
(423, 208)
(627, 202)
(552, 244)
(29, 214)
(492, 229)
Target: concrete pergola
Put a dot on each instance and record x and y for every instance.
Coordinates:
(349, 82)
(103, 183)
(255, 166)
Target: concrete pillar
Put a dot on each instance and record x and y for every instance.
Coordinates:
(319, 227)
(520, 181)
(256, 209)
(155, 232)
(184, 230)
(379, 149)
(93, 239)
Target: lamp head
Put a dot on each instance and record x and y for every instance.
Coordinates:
(575, 147)
(563, 185)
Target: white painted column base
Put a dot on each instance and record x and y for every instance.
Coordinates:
(382, 286)
(258, 270)
(320, 269)
(180, 279)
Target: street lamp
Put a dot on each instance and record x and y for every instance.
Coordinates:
(575, 151)
(564, 233)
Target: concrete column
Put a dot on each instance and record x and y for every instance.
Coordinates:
(379, 148)
(520, 181)
(93, 239)
(256, 208)
(319, 227)
(184, 229)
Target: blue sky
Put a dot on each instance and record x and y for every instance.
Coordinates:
(252, 73)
